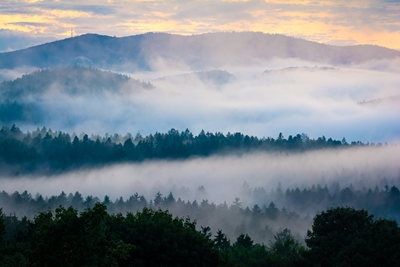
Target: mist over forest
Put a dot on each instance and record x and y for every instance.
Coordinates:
(286, 99)
(252, 137)
(286, 180)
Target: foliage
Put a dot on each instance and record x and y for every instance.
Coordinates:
(45, 151)
(286, 249)
(2, 225)
(344, 236)
(233, 219)
(153, 237)
(95, 238)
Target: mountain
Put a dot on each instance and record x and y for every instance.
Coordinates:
(213, 50)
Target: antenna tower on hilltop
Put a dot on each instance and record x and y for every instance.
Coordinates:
(72, 32)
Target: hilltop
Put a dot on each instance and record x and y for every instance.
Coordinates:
(71, 80)
(23, 98)
(213, 50)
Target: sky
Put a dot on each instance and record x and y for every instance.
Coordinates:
(24, 23)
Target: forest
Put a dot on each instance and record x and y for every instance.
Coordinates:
(153, 237)
(310, 225)
(46, 152)
(283, 209)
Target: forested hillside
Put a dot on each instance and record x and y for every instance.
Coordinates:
(74, 81)
(26, 99)
(45, 151)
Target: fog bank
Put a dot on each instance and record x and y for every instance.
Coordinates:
(223, 177)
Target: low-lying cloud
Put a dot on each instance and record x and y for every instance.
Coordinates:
(315, 101)
(223, 176)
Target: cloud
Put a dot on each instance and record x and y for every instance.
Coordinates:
(224, 176)
(13, 40)
(12, 74)
(314, 101)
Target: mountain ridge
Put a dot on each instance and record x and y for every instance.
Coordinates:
(143, 51)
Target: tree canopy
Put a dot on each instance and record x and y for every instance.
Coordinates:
(46, 151)
(345, 236)
(153, 237)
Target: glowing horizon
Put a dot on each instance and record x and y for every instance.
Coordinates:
(331, 22)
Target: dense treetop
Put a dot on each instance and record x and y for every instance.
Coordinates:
(347, 237)
(258, 214)
(93, 237)
(46, 151)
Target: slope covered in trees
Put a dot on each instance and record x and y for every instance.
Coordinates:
(74, 81)
(25, 99)
(45, 151)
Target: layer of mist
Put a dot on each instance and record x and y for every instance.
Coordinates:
(224, 178)
(323, 101)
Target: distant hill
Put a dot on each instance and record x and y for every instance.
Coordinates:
(304, 68)
(214, 77)
(21, 100)
(213, 50)
(69, 80)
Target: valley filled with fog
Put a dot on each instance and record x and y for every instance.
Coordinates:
(200, 133)
(251, 139)
(226, 177)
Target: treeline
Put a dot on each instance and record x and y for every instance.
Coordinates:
(94, 237)
(259, 220)
(267, 213)
(383, 202)
(46, 151)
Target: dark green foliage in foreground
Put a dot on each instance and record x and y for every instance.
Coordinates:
(349, 237)
(46, 151)
(258, 220)
(95, 238)
(286, 249)
(339, 237)
(232, 220)
(2, 226)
